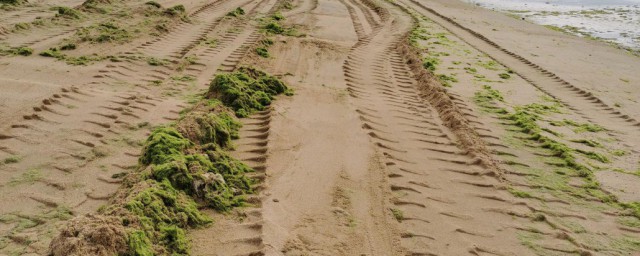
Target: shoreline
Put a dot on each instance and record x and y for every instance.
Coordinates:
(615, 24)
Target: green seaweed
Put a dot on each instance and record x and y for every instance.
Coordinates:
(67, 47)
(154, 4)
(262, 52)
(66, 12)
(274, 28)
(633, 207)
(162, 212)
(139, 244)
(184, 78)
(156, 62)
(178, 10)
(23, 51)
(103, 32)
(416, 35)
(619, 152)
(488, 94)
(579, 127)
(28, 177)
(471, 70)
(211, 176)
(490, 65)
(447, 80)
(246, 90)
(11, 160)
(593, 155)
(53, 53)
(542, 109)
(236, 13)
(163, 145)
(175, 238)
(589, 143)
(21, 26)
(266, 42)
(12, 2)
(519, 193)
(430, 63)
(161, 204)
(277, 16)
(397, 214)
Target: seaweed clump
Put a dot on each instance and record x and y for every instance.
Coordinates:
(103, 32)
(272, 26)
(246, 90)
(12, 2)
(210, 176)
(66, 12)
(182, 168)
(236, 13)
(159, 212)
(23, 51)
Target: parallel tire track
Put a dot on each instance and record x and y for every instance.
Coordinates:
(431, 173)
(243, 237)
(100, 122)
(541, 78)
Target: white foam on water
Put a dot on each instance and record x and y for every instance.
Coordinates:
(616, 21)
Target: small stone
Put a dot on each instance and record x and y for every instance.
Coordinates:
(276, 200)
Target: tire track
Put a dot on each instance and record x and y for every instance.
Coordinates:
(242, 230)
(102, 122)
(544, 80)
(242, 237)
(358, 25)
(372, 19)
(565, 239)
(126, 72)
(29, 13)
(185, 36)
(303, 8)
(431, 174)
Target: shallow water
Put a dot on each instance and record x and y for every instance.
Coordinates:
(616, 21)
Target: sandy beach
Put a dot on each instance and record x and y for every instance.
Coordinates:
(312, 127)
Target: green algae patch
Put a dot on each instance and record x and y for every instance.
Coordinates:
(272, 26)
(633, 208)
(595, 156)
(590, 143)
(139, 244)
(67, 12)
(160, 204)
(519, 193)
(579, 127)
(23, 51)
(430, 63)
(397, 214)
(192, 158)
(262, 52)
(213, 178)
(246, 90)
(236, 13)
(210, 128)
(487, 96)
(504, 75)
(163, 145)
(160, 210)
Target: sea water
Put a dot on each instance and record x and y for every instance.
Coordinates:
(616, 21)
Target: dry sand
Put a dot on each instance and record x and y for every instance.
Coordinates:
(373, 155)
